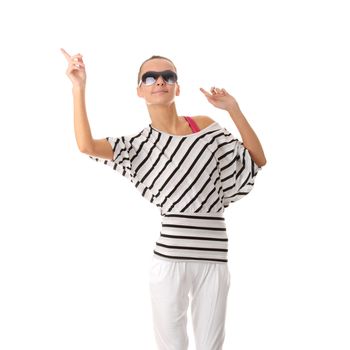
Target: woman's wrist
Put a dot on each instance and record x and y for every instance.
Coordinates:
(78, 87)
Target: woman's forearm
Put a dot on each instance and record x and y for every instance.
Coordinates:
(249, 138)
(81, 124)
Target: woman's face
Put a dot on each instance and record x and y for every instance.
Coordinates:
(160, 92)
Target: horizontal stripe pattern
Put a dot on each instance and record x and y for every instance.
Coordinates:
(199, 173)
(193, 236)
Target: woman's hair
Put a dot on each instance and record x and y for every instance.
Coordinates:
(151, 58)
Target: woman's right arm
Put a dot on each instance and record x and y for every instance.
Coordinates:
(86, 144)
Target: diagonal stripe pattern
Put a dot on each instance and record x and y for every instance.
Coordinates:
(196, 174)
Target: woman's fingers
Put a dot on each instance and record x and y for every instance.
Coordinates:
(76, 58)
(66, 55)
(215, 92)
(206, 93)
(69, 57)
(76, 68)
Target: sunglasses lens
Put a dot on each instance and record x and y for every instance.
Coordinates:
(170, 78)
(149, 80)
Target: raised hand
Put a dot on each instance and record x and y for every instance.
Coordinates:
(76, 69)
(220, 98)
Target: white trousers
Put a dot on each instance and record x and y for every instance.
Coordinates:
(172, 285)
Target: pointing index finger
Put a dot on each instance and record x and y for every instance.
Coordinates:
(65, 54)
(206, 93)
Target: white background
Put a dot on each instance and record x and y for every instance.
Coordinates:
(77, 237)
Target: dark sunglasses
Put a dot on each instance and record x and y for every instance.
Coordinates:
(149, 78)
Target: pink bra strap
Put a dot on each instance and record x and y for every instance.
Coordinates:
(192, 124)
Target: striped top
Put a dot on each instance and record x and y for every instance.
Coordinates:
(192, 179)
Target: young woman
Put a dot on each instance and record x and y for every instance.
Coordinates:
(192, 168)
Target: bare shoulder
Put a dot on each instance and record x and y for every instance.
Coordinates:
(203, 121)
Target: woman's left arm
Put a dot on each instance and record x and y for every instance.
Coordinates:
(220, 98)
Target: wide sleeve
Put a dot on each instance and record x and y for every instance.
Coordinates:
(237, 168)
(122, 155)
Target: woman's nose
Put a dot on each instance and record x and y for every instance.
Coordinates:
(160, 81)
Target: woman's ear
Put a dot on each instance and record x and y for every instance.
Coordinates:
(139, 92)
(177, 89)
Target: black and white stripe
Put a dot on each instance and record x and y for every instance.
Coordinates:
(199, 173)
(193, 236)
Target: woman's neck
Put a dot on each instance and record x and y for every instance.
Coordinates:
(165, 118)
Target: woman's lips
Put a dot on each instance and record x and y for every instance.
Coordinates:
(158, 92)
